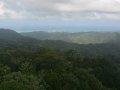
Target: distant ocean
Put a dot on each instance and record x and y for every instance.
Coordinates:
(72, 29)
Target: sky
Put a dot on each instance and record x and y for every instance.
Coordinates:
(27, 15)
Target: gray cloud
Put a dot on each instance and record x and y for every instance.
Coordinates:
(64, 9)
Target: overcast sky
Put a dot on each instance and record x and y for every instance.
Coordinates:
(40, 13)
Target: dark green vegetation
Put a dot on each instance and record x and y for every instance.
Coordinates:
(80, 38)
(29, 64)
(11, 38)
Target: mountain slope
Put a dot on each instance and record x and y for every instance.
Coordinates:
(80, 38)
(111, 49)
(7, 34)
(10, 38)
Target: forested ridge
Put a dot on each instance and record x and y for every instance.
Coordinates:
(29, 64)
(78, 37)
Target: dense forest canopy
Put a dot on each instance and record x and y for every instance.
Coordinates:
(30, 64)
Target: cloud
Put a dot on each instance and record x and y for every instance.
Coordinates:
(60, 9)
(10, 13)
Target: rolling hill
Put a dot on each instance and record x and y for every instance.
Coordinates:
(10, 38)
(7, 34)
(80, 37)
(14, 39)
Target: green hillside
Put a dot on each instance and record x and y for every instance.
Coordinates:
(80, 38)
(105, 49)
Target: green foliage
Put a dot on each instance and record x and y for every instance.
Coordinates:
(27, 68)
(19, 81)
(50, 69)
(4, 69)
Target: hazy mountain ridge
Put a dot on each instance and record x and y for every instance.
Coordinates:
(80, 37)
(112, 49)
(10, 38)
(7, 34)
